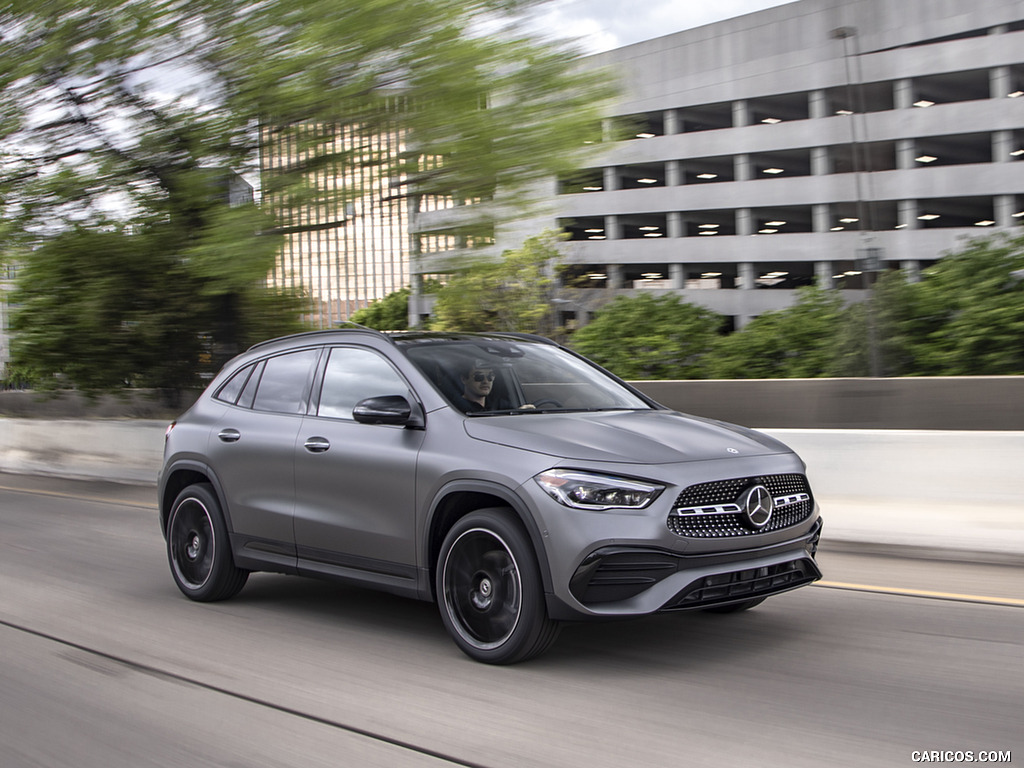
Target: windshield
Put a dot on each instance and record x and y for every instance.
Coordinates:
(490, 376)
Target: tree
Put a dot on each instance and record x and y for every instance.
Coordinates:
(512, 294)
(648, 337)
(388, 314)
(892, 301)
(132, 118)
(797, 342)
(966, 316)
(93, 311)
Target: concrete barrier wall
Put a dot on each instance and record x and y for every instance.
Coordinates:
(969, 403)
(122, 450)
(946, 467)
(953, 403)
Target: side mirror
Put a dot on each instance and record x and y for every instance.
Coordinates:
(386, 409)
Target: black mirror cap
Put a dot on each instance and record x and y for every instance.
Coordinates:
(386, 409)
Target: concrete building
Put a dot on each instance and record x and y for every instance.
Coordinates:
(810, 142)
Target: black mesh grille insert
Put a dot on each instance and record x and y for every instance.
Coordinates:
(711, 510)
(749, 583)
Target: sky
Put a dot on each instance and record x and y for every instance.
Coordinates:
(600, 25)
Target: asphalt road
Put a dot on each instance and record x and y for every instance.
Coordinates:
(104, 663)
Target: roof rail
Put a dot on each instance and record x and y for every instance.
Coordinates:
(324, 332)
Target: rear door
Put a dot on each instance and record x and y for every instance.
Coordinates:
(252, 451)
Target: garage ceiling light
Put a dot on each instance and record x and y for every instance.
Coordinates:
(774, 223)
(771, 120)
(924, 103)
(844, 112)
(593, 189)
(848, 220)
(646, 181)
(772, 170)
(926, 158)
(984, 223)
(707, 175)
(928, 216)
(1015, 94)
(645, 135)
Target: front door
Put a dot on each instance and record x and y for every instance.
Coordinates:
(355, 483)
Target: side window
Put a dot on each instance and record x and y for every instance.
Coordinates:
(282, 387)
(249, 393)
(229, 392)
(353, 375)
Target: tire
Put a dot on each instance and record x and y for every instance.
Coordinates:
(746, 605)
(489, 589)
(198, 548)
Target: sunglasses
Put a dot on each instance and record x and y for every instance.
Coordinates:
(481, 376)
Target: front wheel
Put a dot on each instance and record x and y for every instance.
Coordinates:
(489, 589)
(198, 549)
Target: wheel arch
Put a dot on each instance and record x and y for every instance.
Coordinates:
(179, 476)
(458, 499)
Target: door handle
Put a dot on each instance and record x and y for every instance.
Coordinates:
(317, 444)
(229, 435)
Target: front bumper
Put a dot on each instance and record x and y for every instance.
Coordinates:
(635, 581)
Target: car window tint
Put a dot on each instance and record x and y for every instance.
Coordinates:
(283, 385)
(229, 392)
(353, 375)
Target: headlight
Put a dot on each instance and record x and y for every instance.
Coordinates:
(583, 490)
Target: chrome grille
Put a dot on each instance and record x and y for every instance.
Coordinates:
(711, 510)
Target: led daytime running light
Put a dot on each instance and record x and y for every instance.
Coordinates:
(583, 490)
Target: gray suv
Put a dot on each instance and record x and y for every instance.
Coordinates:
(503, 476)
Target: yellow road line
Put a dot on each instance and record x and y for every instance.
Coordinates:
(1010, 601)
(76, 497)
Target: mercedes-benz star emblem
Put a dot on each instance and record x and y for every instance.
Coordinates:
(758, 505)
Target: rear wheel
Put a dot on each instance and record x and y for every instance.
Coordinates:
(489, 589)
(198, 549)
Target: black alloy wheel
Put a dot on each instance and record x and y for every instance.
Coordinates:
(489, 589)
(198, 548)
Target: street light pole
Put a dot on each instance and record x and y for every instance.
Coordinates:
(870, 257)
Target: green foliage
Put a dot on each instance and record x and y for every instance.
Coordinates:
(967, 313)
(887, 318)
(512, 294)
(131, 116)
(797, 342)
(388, 314)
(647, 337)
(108, 309)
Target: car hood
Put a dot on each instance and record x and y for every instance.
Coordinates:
(641, 437)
